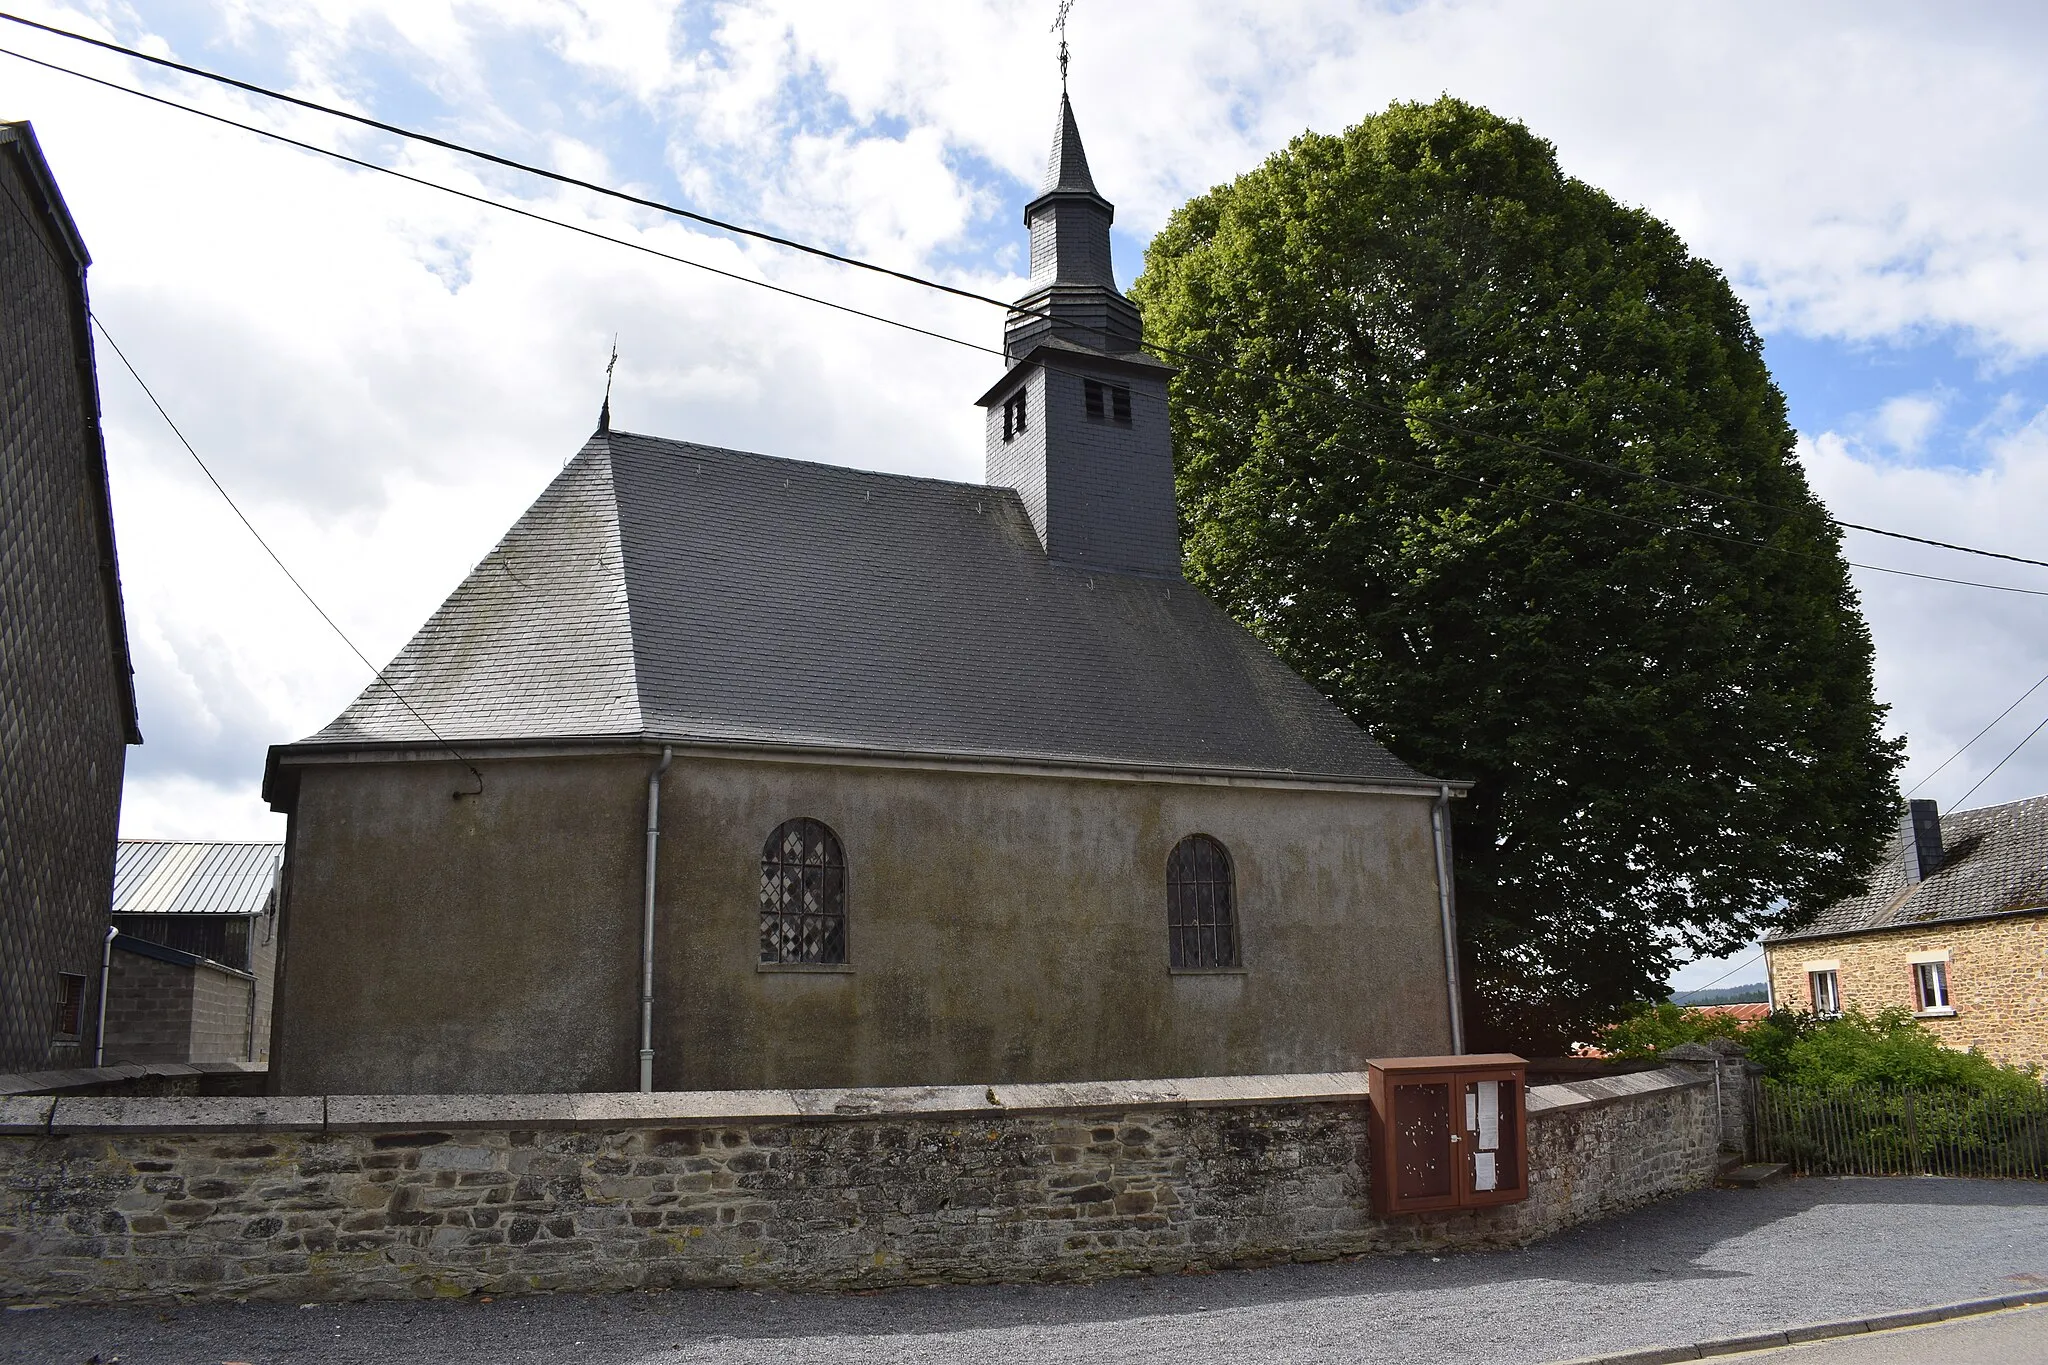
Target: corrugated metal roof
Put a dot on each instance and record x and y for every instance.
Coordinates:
(176, 877)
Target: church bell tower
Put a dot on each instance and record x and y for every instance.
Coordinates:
(1078, 424)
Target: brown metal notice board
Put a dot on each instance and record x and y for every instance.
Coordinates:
(1448, 1132)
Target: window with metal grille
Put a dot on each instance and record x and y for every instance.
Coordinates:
(803, 895)
(1201, 905)
(70, 1003)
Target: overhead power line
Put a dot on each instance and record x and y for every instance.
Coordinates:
(499, 204)
(35, 233)
(2003, 761)
(1514, 443)
(284, 569)
(793, 244)
(1979, 735)
(509, 163)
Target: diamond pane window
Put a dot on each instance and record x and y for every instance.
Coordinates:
(1201, 904)
(803, 895)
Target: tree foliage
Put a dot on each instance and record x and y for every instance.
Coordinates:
(1662, 697)
(1889, 1048)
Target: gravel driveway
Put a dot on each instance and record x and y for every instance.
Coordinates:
(1712, 1264)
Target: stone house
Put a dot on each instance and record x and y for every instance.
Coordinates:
(1954, 928)
(195, 953)
(725, 771)
(67, 698)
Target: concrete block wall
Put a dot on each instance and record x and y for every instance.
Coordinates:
(301, 1198)
(161, 1011)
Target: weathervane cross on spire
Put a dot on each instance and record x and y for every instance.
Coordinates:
(1059, 26)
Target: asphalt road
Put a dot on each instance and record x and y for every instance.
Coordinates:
(2019, 1337)
(1718, 1263)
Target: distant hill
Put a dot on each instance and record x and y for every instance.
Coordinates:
(1755, 994)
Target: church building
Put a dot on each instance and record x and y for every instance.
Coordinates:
(724, 771)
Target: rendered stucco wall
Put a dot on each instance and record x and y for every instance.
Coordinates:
(1002, 926)
(1997, 980)
(297, 1199)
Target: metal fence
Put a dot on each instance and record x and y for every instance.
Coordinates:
(1869, 1130)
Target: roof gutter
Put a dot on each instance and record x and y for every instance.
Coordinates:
(647, 925)
(286, 761)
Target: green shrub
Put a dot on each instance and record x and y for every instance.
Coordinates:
(1889, 1048)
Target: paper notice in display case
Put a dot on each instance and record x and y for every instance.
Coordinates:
(1485, 1175)
(1489, 1115)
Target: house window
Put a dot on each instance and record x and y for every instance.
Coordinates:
(1201, 905)
(1825, 991)
(1930, 988)
(70, 1004)
(803, 895)
(1106, 402)
(1013, 415)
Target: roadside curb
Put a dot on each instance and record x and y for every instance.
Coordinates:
(1815, 1331)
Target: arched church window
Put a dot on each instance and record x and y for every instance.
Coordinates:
(1201, 904)
(803, 894)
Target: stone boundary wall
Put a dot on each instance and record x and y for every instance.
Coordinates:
(343, 1197)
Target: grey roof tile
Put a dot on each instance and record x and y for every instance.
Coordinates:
(1994, 861)
(683, 592)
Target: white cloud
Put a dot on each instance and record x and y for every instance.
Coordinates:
(1904, 423)
(386, 376)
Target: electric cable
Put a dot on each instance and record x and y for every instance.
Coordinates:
(497, 203)
(2002, 762)
(1514, 443)
(1979, 735)
(396, 130)
(311, 601)
(793, 244)
(1758, 957)
(36, 233)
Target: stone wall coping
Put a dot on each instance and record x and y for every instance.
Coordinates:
(69, 1114)
(1597, 1090)
(25, 1113)
(189, 1114)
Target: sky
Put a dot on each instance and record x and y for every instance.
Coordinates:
(384, 376)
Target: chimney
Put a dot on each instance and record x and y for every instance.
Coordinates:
(1921, 828)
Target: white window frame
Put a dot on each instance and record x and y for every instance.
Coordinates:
(1931, 995)
(1827, 1003)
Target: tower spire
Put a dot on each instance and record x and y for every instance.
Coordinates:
(604, 414)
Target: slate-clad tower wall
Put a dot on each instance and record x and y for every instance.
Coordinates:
(66, 711)
(1088, 447)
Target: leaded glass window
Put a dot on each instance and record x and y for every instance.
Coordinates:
(803, 895)
(1201, 904)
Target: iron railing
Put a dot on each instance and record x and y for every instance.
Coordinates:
(1873, 1130)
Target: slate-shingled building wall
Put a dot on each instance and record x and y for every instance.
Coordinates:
(1008, 709)
(67, 708)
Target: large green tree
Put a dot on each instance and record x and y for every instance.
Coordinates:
(1405, 353)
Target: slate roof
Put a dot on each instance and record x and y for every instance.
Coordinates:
(182, 877)
(1994, 862)
(1066, 170)
(666, 591)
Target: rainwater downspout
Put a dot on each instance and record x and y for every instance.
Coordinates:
(1440, 819)
(647, 926)
(99, 1042)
